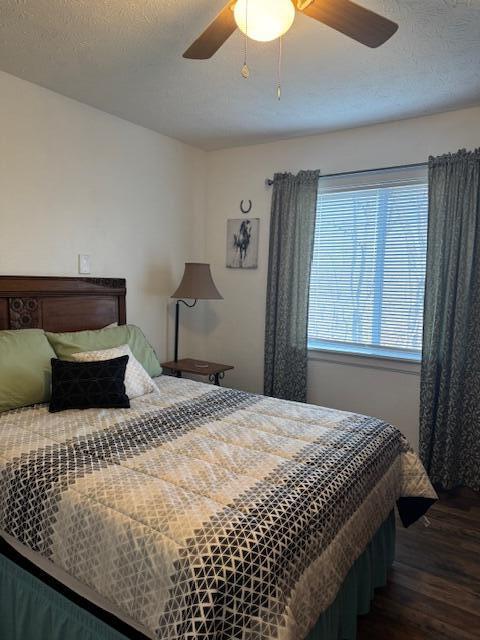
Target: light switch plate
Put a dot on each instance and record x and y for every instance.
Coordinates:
(83, 263)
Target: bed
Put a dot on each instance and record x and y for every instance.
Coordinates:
(200, 512)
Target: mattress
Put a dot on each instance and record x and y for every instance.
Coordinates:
(204, 512)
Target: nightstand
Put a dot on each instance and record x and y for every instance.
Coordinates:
(213, 370)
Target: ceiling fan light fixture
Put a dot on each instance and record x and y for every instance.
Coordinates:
(264, 20)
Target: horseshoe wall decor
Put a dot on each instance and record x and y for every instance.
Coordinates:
(249, 207)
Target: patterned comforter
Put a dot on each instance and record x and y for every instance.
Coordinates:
(204, 512)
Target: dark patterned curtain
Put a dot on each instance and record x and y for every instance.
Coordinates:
(450, 383)
(292, 227)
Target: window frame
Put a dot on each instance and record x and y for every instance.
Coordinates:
(351, 181)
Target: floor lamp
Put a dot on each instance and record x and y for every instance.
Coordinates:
(197, 284)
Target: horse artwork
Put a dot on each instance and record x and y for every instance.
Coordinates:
(242, 243)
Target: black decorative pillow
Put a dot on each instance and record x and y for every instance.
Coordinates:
(86, 385)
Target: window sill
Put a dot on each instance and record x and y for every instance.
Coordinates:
(365, 360)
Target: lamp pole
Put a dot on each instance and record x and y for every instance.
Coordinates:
(177, 315)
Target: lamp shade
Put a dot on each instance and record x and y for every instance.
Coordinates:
(197, 283)
(264, 20)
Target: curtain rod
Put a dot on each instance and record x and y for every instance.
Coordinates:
(269, 181)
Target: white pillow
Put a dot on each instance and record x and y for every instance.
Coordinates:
(137, 380)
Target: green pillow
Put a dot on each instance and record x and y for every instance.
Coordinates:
(66, 344)
(25, 369)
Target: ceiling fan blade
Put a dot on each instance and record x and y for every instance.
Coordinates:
(214, 35)
(354, 21)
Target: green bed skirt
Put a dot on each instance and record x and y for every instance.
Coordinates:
(31, 610)
(339, 621)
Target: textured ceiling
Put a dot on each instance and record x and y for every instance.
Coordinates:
(125, 57)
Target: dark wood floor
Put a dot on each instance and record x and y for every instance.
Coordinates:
(434, 588)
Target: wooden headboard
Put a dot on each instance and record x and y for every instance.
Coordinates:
(61, 304)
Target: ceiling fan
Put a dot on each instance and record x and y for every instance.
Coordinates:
(266, 20)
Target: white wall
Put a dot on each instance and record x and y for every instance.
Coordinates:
(76, 180)
(235, 326)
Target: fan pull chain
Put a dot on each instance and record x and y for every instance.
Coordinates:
(245, 70)
(279, 70)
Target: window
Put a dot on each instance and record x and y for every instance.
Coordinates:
(368, 268)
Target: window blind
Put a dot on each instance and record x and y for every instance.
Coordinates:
(368, 267)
